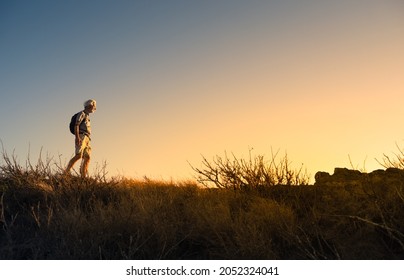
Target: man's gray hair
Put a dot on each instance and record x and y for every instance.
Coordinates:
(89, 103)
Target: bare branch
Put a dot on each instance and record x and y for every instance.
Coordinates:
(243, 174)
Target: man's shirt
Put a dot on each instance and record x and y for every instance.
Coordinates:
(85, 124)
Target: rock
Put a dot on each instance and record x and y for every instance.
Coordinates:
(322, 176)
(346, 173)
(348, 177)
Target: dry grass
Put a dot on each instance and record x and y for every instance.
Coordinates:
(44, 215)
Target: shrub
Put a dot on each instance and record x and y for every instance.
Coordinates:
(255, 172)
(397, 161)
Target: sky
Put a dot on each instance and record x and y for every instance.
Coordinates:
(181, 79)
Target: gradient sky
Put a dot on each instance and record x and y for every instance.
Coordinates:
(174, 80)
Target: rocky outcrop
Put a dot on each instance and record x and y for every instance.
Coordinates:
(348, 177)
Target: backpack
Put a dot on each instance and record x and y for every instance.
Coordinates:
(73, 122)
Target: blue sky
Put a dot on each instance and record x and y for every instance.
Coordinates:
(177, 79)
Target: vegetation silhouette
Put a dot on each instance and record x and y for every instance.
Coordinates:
(46, 215)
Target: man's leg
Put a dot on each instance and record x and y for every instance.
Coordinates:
(80, 149)
(84, 166)
(72, 162)
(86, 157)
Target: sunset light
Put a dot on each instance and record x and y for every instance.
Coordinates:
(175, 80)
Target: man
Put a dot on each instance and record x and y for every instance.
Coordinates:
(82, 132)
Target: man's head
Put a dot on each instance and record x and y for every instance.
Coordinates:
(90, 105)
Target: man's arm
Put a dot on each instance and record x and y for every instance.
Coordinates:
(77, 134)
(77, 129)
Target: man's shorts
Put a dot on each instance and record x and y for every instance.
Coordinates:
(85, 148)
